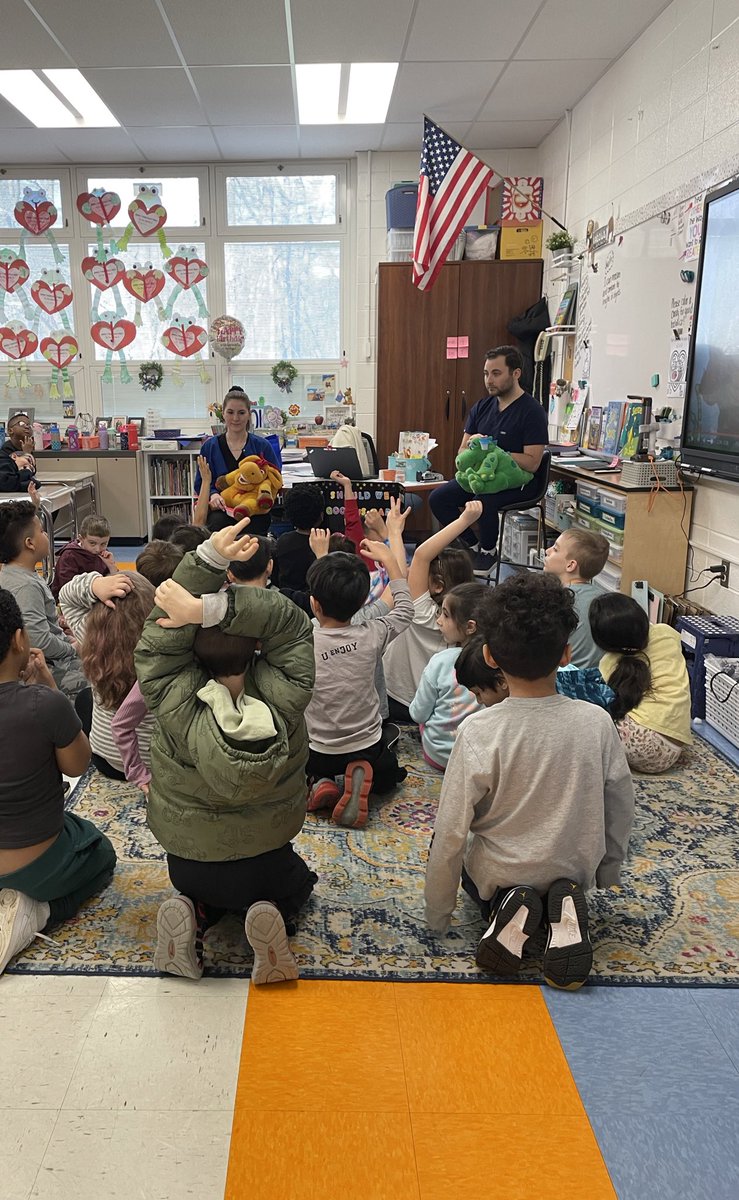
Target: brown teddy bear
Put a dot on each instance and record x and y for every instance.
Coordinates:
(252, 488)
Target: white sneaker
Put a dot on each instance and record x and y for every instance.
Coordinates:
(176, 952)
(273, 958)
(21, 919)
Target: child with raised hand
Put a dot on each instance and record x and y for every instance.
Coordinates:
(644, 666)
(441, 702)
(89, 552)
(23, 544)
(228, 756)
(344, 716)
(202, 500)
(435, 568)
(50, 861)
(552, 830)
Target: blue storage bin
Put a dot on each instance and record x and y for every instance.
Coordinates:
(701, 636)
(274, 442)
(400, 205)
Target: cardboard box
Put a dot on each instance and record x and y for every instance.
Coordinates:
(520, 241)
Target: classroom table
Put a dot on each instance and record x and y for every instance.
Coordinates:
(82, 499)
(52, 500)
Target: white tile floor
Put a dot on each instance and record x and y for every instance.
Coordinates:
(101, 1075)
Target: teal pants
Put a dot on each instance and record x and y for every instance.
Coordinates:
(79, 864)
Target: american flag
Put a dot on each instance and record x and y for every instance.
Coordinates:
(452, 181)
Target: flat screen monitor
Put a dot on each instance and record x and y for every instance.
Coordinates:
(710, 433)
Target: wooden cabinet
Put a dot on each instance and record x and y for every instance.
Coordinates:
(418, 386)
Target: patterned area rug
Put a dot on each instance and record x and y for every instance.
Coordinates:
(674, 920)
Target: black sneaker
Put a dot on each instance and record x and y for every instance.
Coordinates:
(483, 562)
(569, 954)
(516, 918)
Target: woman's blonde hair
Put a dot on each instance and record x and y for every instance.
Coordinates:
(109, 641)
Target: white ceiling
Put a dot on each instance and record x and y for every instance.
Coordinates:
(202, 80)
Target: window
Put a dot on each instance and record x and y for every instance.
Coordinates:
(259, 200)
(288, 296)
(180, 195)
(182, 397)
(11, 190)
(54, 285)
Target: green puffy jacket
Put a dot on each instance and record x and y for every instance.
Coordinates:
(207, 800)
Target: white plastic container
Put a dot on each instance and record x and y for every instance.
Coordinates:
(722, 698)
(400, 246)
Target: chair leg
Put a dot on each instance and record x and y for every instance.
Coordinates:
(500, 547)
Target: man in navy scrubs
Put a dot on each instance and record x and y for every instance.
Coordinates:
(518, 423)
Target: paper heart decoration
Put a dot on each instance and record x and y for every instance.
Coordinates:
(103, 275)
(184, 341)
(60, 351)
(186, 271)
(17, 343)
(99, 210)
(13, 274)
(51, 297)
(113, 335)
(144, 285)
(146, 221)
(36, 218)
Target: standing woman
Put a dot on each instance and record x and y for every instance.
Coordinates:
(224, 453)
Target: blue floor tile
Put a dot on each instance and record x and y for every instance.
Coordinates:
(670, 1157)
(720, 1007)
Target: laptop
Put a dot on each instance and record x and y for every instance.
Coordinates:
(325, 460)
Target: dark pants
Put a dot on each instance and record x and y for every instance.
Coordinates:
(386, 773)
(447, 501)
(83, 708)
(218, 519)
(486, 907)
(103, 766)
(397, 711)
(78, 865)
(219, 887)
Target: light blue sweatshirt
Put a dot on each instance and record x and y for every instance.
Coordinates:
(440, 705)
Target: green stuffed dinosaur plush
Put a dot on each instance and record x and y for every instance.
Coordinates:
(483, 471)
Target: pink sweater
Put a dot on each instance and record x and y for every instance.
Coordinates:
(131, 713)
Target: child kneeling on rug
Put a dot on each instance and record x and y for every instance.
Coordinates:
(541, 783)
(50, 861)
(228, 756)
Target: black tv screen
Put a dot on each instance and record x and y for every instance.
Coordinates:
(710, 434)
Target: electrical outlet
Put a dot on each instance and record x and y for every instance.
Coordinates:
(724, 576)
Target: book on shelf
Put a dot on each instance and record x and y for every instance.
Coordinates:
(595, 425)
(634, 416)
(613, 420)
(565, 314)
(170, 477)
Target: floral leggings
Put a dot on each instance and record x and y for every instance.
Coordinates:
(647, 750)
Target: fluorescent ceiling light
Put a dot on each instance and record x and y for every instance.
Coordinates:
(30, 95)
(367, 97)
(82, 97)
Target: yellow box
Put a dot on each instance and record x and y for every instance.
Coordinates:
(520, 241)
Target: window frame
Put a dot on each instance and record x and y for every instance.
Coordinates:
(280, 170)
(67, 229)
(180, 233)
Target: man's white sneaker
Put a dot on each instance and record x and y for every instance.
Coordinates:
(273, 958)
(21, 919)
(177, 951)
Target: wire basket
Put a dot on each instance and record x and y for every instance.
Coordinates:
(722, 697)
(642, 474)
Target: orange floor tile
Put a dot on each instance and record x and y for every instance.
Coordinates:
(380, 1091)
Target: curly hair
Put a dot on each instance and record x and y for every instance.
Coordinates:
(16, 524)
(620, 626)
(11, 621)
(109, 641)
(303, 506)
(526, 623)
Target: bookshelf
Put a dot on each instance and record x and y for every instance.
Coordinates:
(169, 478)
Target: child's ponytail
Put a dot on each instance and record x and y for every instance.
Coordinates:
(620, 626)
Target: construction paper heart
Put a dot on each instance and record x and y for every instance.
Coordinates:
(184, 341)
(144, 285)
(17, 343)
(99, 210)
(113, 335)
(103, 275)
(146, 221)
(186, 271)
(51, 297)
(36, 218)
(60, 351)
(13, 274)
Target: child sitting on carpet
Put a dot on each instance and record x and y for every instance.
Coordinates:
(551, 828)
(490, 688)
(645, 667)
(228, 756)
(89, 552)
(50, 861)
(441, 703)
(577, 556)
(303, 508)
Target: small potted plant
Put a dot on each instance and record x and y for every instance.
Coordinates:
(215, 411)
(560, 243)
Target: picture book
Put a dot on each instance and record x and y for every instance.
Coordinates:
(612, 426)
(633, 418)
(565, 314)
(594, 427)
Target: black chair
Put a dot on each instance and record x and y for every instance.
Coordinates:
(538, 501)
(369, 446)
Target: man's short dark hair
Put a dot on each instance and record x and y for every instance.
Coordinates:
(16, 524)
(340, 583)
(512, 356)
(526, 623)
(163, 529)
(303, 506)
(223, 653)
(11, 620)
(189, 537)
(471, 669)
(256, 566)
(158, 561)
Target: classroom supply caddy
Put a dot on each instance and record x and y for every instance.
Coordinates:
(722, 696)
(400, 246)
(701, 637)
(642, 474)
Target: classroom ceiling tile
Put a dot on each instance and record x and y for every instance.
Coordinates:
(484, 29)
(257, 142)
(95, 145)
(446, 94)
(329, 141)
(507, 135)
(403, 136)
(129, 34)
(337, 31)
(231, 95)
(33, 146)
(12, 118)
(193, 143)
(25, 43)
(535, 90)
(566, 28)
(226, 32)
(149, 97)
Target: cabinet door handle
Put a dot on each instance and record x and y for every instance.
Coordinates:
(448, 402)
(464, 404)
